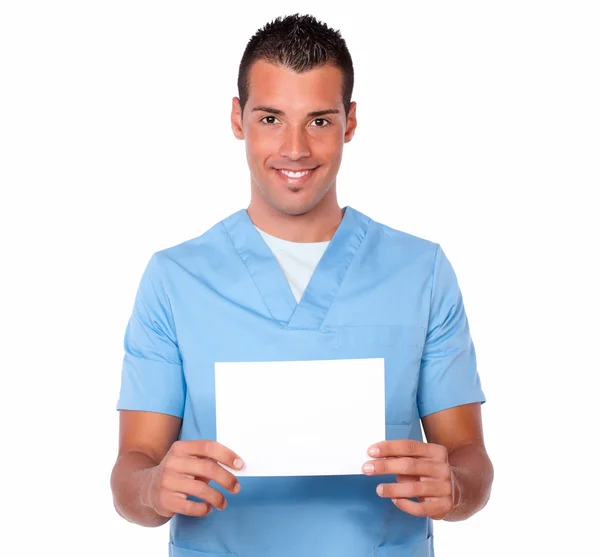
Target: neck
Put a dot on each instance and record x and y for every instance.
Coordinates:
(317, 225)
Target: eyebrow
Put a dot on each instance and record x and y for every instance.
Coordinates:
(277, 112)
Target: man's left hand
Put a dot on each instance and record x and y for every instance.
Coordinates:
(422, 471)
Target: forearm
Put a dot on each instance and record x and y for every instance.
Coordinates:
(129, 485)
(473, 475)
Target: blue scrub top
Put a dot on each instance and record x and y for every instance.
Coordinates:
(222, 297)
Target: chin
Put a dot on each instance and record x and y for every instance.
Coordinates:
(294, 208)
(294, 203)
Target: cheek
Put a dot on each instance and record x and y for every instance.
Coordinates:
(329, 147)
(253, 150)
(333, 154)
(259, 147)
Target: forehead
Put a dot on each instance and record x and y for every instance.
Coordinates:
(279, 87)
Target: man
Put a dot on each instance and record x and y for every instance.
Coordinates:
(296, 277)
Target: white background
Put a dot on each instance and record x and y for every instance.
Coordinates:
(478, 129)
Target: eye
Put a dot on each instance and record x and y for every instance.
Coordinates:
(324, 122)
(265, 118)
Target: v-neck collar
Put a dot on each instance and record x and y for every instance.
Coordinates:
(325, 282)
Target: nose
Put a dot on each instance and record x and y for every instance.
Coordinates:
(294, 145)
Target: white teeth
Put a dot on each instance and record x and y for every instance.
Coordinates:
(294, 174)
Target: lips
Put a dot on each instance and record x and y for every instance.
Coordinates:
(295, 176)
(294, 173)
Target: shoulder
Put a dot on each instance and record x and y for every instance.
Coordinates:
(402, 242)
(208, 244)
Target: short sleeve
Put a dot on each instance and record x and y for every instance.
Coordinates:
(448, 375)
(152, 373)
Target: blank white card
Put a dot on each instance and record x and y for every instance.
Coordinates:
(300, 418)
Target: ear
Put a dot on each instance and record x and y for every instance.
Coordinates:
(350, 123)
(236, 118)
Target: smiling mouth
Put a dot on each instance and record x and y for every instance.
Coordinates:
(295, 173)
(295, 177)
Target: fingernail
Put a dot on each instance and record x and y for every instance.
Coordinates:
(237, 488)
(373, 451)
(379, 490)
(238, 463)
(368, 468)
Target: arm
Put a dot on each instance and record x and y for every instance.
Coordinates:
(450, 475)
(460, 431)
(144, 440)
(155, 474)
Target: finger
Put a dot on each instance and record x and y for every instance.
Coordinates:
(408, 466)
(408, 447)
(208, 449)
(434, 509)
(432, 488)
(178, 503)
(201, 490)
(204, 469)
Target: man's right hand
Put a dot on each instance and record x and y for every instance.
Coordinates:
(186, 470)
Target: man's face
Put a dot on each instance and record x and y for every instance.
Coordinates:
(293, 123)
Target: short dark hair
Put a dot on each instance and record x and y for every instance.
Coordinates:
(301, 43)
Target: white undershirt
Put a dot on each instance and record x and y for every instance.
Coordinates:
(298, 260)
